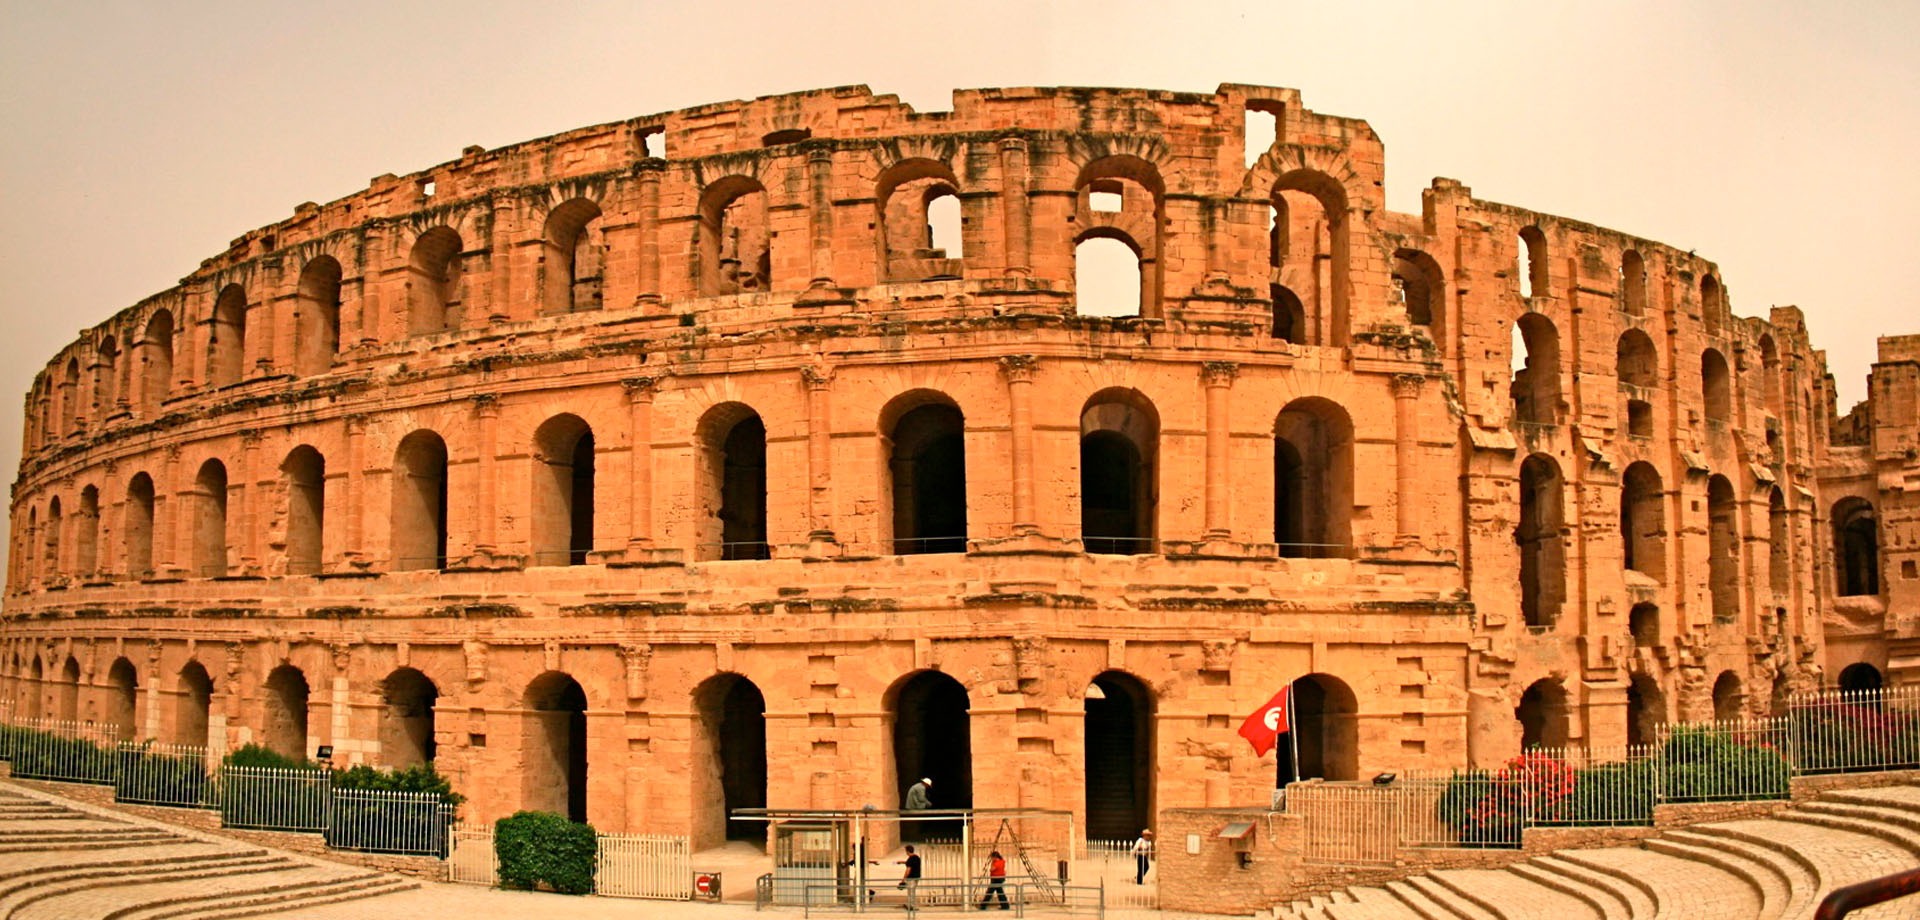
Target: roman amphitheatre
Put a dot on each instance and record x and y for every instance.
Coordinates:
(766, 454)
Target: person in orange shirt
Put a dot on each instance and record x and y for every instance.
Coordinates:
(996, 880)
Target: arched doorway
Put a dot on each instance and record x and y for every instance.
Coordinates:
(1327, 731)
(563, 491)
(1543, 715)
(192, 704)
(286, 695)
(1729, 697)
(406, 722)
(1860, 677)
(67, 703)
(554, 762)
(122, 689)
(932, 739)
(733, 725)
(1119, 756)
(1119, 490)
(1646, 710)
(927, 463)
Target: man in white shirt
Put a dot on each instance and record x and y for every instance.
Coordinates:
(1142, 854)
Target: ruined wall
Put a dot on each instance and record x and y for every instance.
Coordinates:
(347, 455)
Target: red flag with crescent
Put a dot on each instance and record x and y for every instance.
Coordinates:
(1264, 727)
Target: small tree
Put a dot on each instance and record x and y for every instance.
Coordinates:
(538, 846)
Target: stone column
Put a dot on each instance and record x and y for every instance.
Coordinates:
(639, 465)
(819, 380)
(649, 269)
(1406, 454)
(1218, 379)
(150, 692)
(486, 407)
(252, 502)
(170, 532)
(820, 212)
(1019, 371)
(1015, 215)
(354, 503)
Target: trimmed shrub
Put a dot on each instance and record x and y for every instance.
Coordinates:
(1704, 765)
(536, 847)
(1484, 811)
(421, 778)
(160, 779)
(255, 755)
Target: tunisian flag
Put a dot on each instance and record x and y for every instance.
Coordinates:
(1264, 727)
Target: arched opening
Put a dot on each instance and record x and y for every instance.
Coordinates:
(1119, 490)
(918, 213)
(736, 253)
(36, 690)
(932, 740)
(226, 361)
(1289, 316)
(1543, 715)
(70, 413)
(406, 722)
(733, 444)
(318, 316)
(1535, 389)
(210, 520)
(1542, 555)
(1643, 622)
(1770, 370)
(192, 705)
(572, 253)
(1646, 710)
(285, 717)
(1119, 756)
(563, 491)
(1327, 727)
(927, 465)
(1779, 547)
(1633, 283)
(1533, 262)
(1860, 677)
(137, 526)
(1639, 371)
(1313, 206)
(50, 543)
(86, 536)
(1856, 544)
(434, 282)
(1279, 231)
(156, 360)
(123, 687)
(1643, 523)
(554, 759)
(1715, 386)
(420, 502)
(1420, 287)
(1106, 276)
(1710, 304)
(67, 702)
(733, 722)
(1313, 479)
(304, 473)
(106, 378)
(1729, 697)
(1723, 550)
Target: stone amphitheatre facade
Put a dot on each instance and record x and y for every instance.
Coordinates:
(763, 453)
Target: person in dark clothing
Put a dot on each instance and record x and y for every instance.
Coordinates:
(996, 880)
(911, 881)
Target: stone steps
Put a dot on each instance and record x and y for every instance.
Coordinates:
(1837, 856)
(1370, 903)
(1626, 898)
(103, 840)
(1792, 883)
(1510, 896)
(21, 883)
(31, 897)
(1597, 900)
(1677, 886)
(1447, 899)
(1868, 824)
(227, 903)
(277, 878)
(1415, 900)
(1763, 881)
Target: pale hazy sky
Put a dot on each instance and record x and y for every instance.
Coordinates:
(1778, 139)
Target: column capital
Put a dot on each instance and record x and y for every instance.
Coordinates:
(1219, 373)
(1019, 368)
(1407, 386)
(486, 405)
(640, 389)
(356, 423)
(817, 376)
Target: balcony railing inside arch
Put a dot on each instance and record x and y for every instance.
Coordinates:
(1734, 760)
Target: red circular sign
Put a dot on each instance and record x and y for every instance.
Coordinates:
(703, 884)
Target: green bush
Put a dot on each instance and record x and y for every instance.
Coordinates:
(421, 778)
(538, 846)
(255, 755)
(160, 779)
(1483, 811)
(1704, 765)
(45, 755)
(1612, 793)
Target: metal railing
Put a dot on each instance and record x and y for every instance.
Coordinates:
(644, 866)
(63, 750)
(275, 798)
(947, 895)
(1347, 825)
(388, 821)
(1842, 731)
(152, 773)
(471, 859)
(1738, 760)
(1589, 787)
(1119, 546)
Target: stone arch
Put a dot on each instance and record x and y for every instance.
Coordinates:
(1646, 710)
(36, 690)
(1421, 288)
(1716, 386)
(136, 526)
(1861, 678)
(1779, 544)
(931, 737)
(924, 439)
(317, 318)
(554, 746)
(1856, 547)
(1137, 221)
(1326, 720)
(904, 228)
(419, 520)
(285, 696)
(1289, 316)
(106, 377)
(1723, 549)
(1535, 389)
(156, 360)
(52, 564)
(435, 282)
(304, 475)
(1313, 479)
(1108, 271)
(1633, 283)
(1535, 274)
(1771, 383)
(1729, 697)
(1119, 763)
(227, 342)
(729, 759)
(406, 719)
(69, 414)
(731, 446)
(193, 703)
(563, 491)
(210, 520)
(1712, 304)
(1119, 482)
(67, 700)
(123, 687)
(1544, 715)
(1542, 554)
(86, 534)
(573, 253)
(1319, 213)
(1643, 624)
(1636, 361)
(734, 240)
(1643, 521)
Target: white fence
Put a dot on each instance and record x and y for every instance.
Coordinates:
(162, 774)
(275, 799)
(57, 749)
(1837, 731)
(644, 866)
(1351, 825)
(384, 821)
(471, 859)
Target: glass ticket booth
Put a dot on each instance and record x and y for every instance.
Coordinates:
(811, 863)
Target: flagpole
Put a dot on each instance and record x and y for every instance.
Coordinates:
(1293, 733)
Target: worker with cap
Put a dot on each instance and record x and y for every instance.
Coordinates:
(917, 795)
